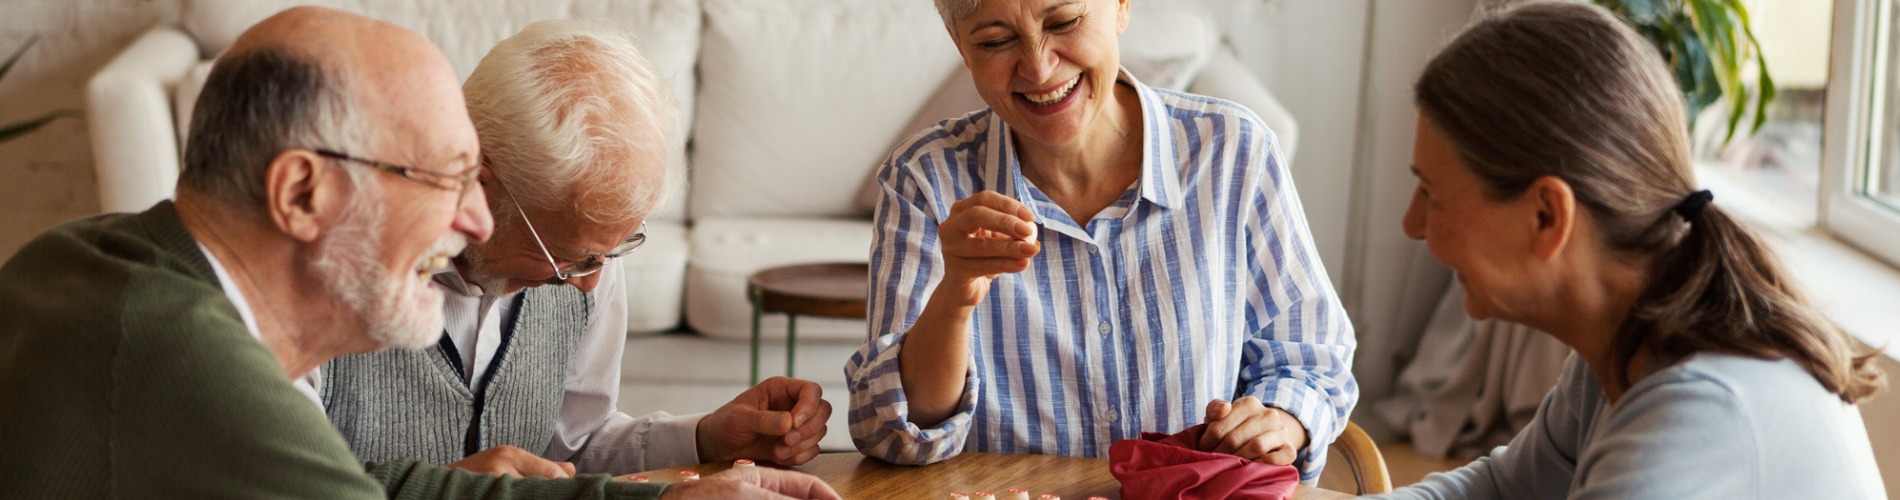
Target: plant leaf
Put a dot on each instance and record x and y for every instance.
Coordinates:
(12, 130)
(16, 55)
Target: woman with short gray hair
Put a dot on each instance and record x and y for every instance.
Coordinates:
(1090, 258)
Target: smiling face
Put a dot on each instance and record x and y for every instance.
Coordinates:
(1047, 67)
(1487, 243)
(416, 106)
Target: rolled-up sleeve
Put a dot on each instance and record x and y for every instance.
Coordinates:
(905, 267)
(1299, 358)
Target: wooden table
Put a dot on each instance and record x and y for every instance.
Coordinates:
(855, 476)
(832, 290)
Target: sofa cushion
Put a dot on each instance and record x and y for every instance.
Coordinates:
(656, 278)
(799, 100)
(727, 250)
(667, 32)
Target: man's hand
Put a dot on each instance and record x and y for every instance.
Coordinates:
(780, 420)
(752, 482)
(510, 461)
(1254, 431)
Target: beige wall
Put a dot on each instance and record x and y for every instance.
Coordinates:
(48, 174)
(1881, 415)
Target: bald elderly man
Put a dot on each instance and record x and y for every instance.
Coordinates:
(331, 169)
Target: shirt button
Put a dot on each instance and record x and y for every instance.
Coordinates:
(1109, 416)
(1092, 249)
(1103, 327)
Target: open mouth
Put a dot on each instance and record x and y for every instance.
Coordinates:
(1055, 96)
(439, 258)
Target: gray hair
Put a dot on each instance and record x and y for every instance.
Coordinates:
(955, 10)
(560, 107)
(256, 104)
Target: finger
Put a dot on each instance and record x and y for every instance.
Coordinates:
(1284, 455)
(795, 484)
(814, 427)
(766, 422)
(533, 466)
(1217, 409)
(978, 247)
(1247, 431)
(567, 467)
(997, 265)
(1004, 222)
(806, 405)
(1217, 430)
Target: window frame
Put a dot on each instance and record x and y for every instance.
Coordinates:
(1852, 126)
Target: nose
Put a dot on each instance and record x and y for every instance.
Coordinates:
(472, 218)
(1039, 62)
(587, 283)
(1414, 222)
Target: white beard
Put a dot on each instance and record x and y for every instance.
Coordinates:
(397, 309)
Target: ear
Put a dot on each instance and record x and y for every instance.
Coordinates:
(301, 200)
(1556, 207)
(1121, 17)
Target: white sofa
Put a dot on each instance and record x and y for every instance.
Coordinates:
(793, 103)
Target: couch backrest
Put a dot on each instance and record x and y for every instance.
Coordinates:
(667, 31)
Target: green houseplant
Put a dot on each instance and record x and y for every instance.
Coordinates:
(12, 130)
(1707, 43)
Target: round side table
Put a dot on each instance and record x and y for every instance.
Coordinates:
(830, 290)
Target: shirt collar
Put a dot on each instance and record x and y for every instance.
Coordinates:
(232, 293)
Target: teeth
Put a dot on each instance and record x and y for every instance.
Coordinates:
(1054, 97)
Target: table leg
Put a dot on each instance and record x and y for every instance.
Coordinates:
(758, 308)
(791, 336)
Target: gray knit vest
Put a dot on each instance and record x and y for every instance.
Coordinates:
(414, 404)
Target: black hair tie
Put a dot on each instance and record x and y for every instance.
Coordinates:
(1692, 205)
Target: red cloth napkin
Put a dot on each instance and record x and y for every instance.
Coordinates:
(1163, 466)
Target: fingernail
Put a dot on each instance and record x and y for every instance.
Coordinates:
(782, 451)
(794, 436)
(800, 419)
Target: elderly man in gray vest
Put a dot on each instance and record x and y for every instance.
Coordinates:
(575, 130)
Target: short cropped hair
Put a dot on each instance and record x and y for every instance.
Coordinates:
(255, 105)
(561, 108)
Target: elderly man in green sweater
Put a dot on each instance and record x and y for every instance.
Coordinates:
(331, 169)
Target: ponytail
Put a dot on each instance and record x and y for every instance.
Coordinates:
(1719, 290)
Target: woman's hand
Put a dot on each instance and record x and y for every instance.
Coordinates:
(985, 235)
(1254, 431)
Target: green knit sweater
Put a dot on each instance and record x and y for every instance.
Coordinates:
(125, 372)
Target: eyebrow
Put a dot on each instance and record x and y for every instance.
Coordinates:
(999, 22)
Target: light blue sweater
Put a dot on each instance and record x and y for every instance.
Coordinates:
(1712, 426)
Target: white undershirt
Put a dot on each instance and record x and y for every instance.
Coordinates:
(306, 384)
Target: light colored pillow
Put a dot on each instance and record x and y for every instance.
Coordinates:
(1166, 44)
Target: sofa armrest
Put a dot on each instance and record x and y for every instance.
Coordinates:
(128, 109)
(1226, 78)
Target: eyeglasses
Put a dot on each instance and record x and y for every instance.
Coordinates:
(590, 265)
(460, 184)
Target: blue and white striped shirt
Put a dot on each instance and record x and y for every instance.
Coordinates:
(1201, 282)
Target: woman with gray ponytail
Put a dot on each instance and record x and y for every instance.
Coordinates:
(1554, 177)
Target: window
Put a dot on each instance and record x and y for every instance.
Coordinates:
(1860, 181)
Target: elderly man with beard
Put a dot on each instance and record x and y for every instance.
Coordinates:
(575, 127)
(331, 170)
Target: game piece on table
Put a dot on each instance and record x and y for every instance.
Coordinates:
(1016, 494)
(958, 496)
(743, 463)
(687, 475)
(638, 478)
(1049, 496)
(983, 495)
